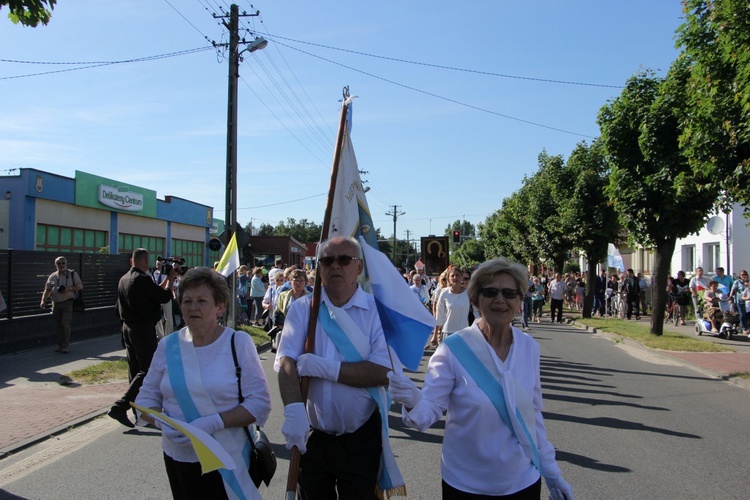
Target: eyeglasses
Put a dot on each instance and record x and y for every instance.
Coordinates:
(507, 293)
(343, 260)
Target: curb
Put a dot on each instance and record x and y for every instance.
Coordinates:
(19, 446)
(745, 384)
(77, 422)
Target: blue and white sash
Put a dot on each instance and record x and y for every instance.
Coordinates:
(185, 379)
(354, 346)
(512, 402)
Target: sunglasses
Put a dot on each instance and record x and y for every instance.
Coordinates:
(507, 293)
(343, 260)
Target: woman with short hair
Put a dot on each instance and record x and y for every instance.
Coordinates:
(486, 379)
(192, 378)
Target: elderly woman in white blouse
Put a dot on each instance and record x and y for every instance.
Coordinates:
(486, 377)
(193, 378)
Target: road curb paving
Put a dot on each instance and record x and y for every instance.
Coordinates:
(31, 391)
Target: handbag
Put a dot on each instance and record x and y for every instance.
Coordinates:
(262, 458)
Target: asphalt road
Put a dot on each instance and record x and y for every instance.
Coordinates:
(626, 423)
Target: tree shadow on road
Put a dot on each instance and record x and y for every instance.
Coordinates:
(616, 423)
(588, 462)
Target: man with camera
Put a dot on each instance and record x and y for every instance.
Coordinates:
(62, 286)
(139, 302)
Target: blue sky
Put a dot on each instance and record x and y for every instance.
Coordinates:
(161, 124)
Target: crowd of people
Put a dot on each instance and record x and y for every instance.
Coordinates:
(340, 425)
(484, 373)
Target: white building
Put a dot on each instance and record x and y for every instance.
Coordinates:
(724, 241)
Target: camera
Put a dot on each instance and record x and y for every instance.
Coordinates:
(178, 263)
(60, 289)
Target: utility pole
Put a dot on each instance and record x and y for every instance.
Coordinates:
(408, 245)
(234, 75)
(395, 215)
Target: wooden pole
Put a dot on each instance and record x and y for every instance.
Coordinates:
(291, 482)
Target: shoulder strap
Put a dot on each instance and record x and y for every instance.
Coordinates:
(238, 372)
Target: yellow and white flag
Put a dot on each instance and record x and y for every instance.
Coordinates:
(211, 455)
(230, 260)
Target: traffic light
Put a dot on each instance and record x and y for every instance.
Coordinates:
(456, 236)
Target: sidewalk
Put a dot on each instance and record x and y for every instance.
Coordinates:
(719, 364)
(35, 405)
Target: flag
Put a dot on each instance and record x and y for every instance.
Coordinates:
(210, 453)
(230, 260)
(406, 322)
(614, 259)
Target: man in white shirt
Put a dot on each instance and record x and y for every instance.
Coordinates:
(557, 289)
(698, 283)
(344, 449)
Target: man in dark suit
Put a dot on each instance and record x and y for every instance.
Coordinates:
(139, 302)
(600, 287)
(632, 289)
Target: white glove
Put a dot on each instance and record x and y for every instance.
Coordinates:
(174, 435)
(559, 489)
(209, 424)
(310, 365)
(403, 390)
(296, 427)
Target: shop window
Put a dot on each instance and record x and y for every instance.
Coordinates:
(191, 251)
(51, 238)
(126, 243)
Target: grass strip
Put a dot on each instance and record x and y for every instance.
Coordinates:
(668, 341)
(101, 373)
(117, 370)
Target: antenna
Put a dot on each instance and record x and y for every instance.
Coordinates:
(715, 225)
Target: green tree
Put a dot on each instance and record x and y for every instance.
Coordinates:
(264, 230)
(304, 231)
(470, 254)
(587, 214)
(29, 12)
(547, 190)
(467, 230)
(650, 179)
(506, 232)
(715, 39)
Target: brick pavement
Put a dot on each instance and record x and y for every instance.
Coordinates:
(35, 405)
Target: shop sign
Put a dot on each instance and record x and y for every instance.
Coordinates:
(120, 198)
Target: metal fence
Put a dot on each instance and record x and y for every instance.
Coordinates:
(23, 274)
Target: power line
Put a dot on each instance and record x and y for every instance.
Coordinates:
(451, 68)
(437, 96)
(97, 64)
